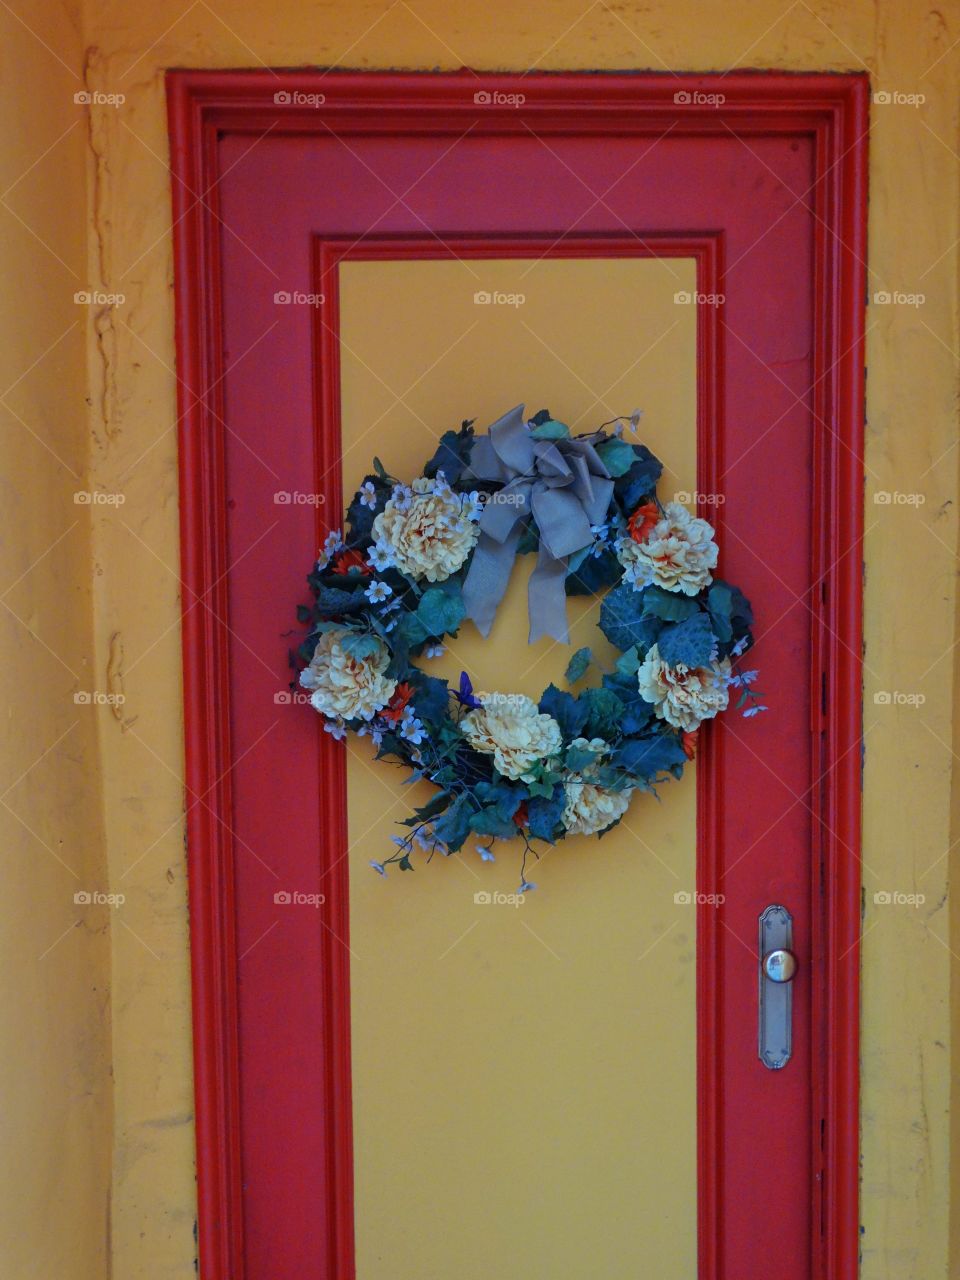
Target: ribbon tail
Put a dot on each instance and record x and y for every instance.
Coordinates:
(547, 598)
(486, 582)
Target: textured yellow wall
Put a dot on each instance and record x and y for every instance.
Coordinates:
(909, 48)
(54, 952)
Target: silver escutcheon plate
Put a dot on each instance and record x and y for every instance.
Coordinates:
(777, 966)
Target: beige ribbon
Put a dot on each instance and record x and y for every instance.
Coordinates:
(564, 486)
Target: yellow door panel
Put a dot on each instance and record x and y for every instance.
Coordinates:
(524, 1075)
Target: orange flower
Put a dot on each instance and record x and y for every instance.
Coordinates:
(395, 707)
(347, 560)
(688, 740)
(641, 523)
(521, 817)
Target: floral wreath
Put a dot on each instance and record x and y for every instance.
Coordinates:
(418, 559)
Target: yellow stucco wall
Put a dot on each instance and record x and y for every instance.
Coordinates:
(909, 48)
(54, 1015)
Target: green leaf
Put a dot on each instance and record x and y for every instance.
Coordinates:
(360, 644)
(578, 664)
(579, 758)
(431, 697)
(593, 574)
(334, 601)
(405, 864)
(544, 814)
(550, 430)
(576, 560)
(628, 664)
(730, 614)
(436, 804)
(641, 479)
(440, 610)
(669, 605)
(617, 456)
(690, 643)
(569, 713)
(452, 454)
(454, 826)
(380, 469)
(604, 712)
(637, 713)
(624, 622)
(648, 757)
(491, 822)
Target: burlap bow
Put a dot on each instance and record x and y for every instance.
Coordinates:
(564, 485)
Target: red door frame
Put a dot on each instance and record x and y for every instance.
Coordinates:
(831, 109)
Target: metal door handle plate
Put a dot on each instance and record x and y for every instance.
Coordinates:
(777, 969)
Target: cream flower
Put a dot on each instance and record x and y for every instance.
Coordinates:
(509, 727)
(684, 696)
(429, 530)
(590, 809)
(351, 688)
(677, 556)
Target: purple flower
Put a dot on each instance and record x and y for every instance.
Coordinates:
(465, 694)
(378, 867)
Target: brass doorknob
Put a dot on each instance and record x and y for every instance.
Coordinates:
(780, 966)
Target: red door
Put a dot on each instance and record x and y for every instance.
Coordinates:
(761, 180)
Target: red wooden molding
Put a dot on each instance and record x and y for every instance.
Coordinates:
(203, 106)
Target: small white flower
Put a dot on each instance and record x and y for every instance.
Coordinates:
(331, 545)
(377, 592)
(367, 494)
(380, 557)
(410, 728)
(441, 489)
(743, 680)
(471, 504)
(336, 729)
(401, 497)
(435, 651)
